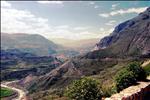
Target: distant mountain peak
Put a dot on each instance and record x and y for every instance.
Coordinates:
(131, 35)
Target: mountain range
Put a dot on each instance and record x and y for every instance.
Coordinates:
(40, 46)
(129, 41)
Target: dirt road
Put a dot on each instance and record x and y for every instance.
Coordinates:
(21, 93)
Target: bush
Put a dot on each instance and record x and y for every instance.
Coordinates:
(123, 79)
(129, 76)
(84, 89)
(108, 90)
(137, 70)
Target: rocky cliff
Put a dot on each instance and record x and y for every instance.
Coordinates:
(131, 37)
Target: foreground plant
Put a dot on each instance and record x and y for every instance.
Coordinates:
(129, 76)
(84, 89)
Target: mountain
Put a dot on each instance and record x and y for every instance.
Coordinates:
(130, 38)
(35, 44)
(82, 46)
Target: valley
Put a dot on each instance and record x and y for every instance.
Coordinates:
(69, 62)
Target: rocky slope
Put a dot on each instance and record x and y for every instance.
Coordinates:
(57, 78)
(63, 75)
(131, 37)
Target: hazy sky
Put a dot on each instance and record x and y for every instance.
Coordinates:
(67, 19)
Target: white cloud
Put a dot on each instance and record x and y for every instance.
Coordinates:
(105, 15)
(5, 4)
(101, 29)
(80, 28)
(125, 11)
(115, 5)
(50, 2)
(63, 27)
(91, 3)
(110, 23)
(22, 21)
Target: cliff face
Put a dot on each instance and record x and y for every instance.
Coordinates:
(130, 37)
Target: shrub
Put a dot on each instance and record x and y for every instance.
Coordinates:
(123, 79)
(137, 70)
(129, 76)
(84, 89)
(108, 90)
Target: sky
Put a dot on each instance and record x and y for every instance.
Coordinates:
(67, 19)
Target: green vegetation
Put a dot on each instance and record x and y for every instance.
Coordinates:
(108, 90)
(147, 69)
(137, 70)
(129, 76)
(130, 73)
(84, 89)
(106, 78)
(5, 92)
(124, 79)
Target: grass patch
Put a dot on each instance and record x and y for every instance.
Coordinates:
(147, 69)
(5, 92)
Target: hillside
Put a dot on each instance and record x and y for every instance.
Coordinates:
(35, 44)
(71, 70)
(16, 64)
(130, 38)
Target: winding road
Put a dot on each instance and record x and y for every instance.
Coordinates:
(21, 93)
